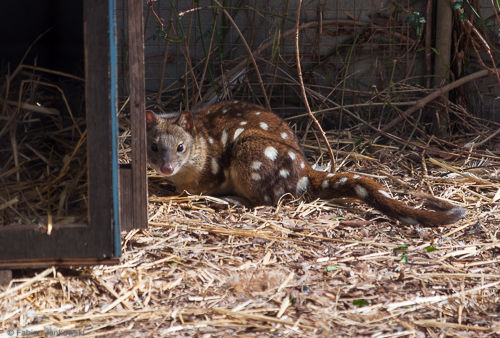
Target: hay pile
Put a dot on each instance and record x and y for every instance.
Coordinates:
(299, 270)
(43, 166)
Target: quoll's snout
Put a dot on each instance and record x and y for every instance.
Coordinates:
(167, 169)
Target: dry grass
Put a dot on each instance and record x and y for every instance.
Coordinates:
(302, 269)
(43, 165)
(201, 269)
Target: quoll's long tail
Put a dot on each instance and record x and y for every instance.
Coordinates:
(326, 185)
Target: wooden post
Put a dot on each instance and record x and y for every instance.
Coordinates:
(5, 277)
(138, 181)
(444, 27)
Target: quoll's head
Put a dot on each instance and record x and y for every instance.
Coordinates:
(169, 143)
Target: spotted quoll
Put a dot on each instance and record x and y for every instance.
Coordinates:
(236, 148)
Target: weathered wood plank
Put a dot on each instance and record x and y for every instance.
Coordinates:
(99, 142)
(137, 116)
(5, 277)
(31, 242)
(42, 263)
(126, 198)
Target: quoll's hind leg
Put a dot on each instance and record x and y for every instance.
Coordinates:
(262, 171)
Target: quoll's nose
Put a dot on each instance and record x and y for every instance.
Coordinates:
(167, 169)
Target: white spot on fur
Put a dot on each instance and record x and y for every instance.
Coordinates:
(457, 211)
(264, 125)
(257, 113)
(407, 220)
(210, 140)
(385, 193)
(340, 182)
(325, 184)
(203, 142)
(236, 101)
(302, 165)
(271, 153)
(238, 114)
(361, 191)
(243, 123)
(267, 199)
(256, 165)
(292, 155)
(215, 166)
(224, 111)
(302, 184)
(356, 177)
(237, 133)
(330, 175)
(208, 111)
(255, 176)
(223, 138)
(284, 173)
(279, 192)
(284, 135)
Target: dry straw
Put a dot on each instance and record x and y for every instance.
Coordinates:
(206, 268)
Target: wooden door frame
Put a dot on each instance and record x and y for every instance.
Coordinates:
(29, 245)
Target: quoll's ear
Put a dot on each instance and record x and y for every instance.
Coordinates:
(185, 120)
(151, 119)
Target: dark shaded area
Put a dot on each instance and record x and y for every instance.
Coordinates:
(61, 48)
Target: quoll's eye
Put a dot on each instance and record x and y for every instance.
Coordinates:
(180, 148)
(154, 147)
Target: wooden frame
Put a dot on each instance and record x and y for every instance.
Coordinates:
(133, 179)
(99, 240)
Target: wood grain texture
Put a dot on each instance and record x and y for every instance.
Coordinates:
(42, 263)
(137, 116)
(126, 198)
(99, 148)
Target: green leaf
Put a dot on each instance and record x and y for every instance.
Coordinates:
(338, 218)
(401, 248)
(456, 5)
(435, 50)
(462, 16)
(332, 268)
(404, 259)
(430, 248)
(359, 302)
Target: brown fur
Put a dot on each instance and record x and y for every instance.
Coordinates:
(236, 148)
